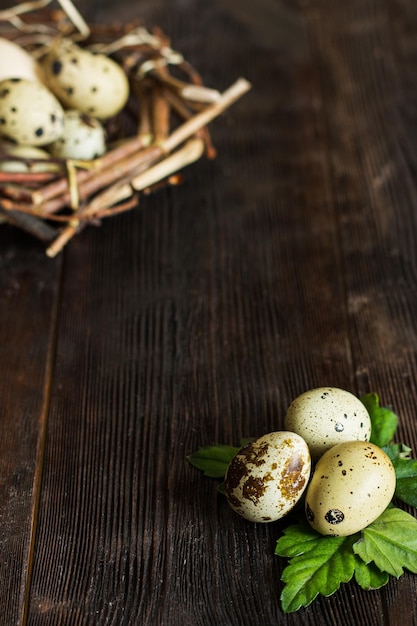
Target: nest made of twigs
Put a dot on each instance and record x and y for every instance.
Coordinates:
(161, 129)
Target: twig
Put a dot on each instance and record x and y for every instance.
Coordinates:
(32, 225)
(125, 150)
(191, 152)
(194, 124)
(187, 91)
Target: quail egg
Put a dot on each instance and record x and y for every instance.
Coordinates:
(29, 113)
(15, 62)
(83, 138)
(26, 152)
(91, 83)
(352, 484)
(327, 416)
(268, 476)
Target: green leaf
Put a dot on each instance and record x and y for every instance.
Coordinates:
(384, 421)
(399, 450)
(213, 460)
(368, 576)
(297, 539)
(406, 486)
(390, 542)
(318, 565)
(405, 471)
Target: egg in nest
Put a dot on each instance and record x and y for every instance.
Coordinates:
(29, 113)
(91, 83)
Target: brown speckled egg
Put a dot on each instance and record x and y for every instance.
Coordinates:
(29, 113)
(268, 476)
(91, 83)
(352, 484)
(327, 416)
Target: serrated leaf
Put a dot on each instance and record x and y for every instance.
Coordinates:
(390, 542)
(213, 460)
(406, 486)
(384, 421)
(395, 450)
(296, 539)
(368, 576)
(321, 569)
(405, 472)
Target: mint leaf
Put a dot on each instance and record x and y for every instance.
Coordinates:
(297, 539)
(390, 542)
(368, 576)
(318, 565)
(399, 450)
(384, 421)
(405, 471)
(406, 486)
(213, 460)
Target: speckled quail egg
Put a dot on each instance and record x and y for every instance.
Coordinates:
(268, 476)
(352, 484)
(83, 138)
(26, 152)
(15, 62)
(91, 83)
(29, 113)
(327, 416)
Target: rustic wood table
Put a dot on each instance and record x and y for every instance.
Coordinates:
(288, 262)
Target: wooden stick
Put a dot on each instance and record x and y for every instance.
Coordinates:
(32, 225)
(62, 239)
(161, 116)
(194, 124)
(192, 151)
(135, 144)
(189, 153)
(179, 106)
(198, 93)
(29, 178)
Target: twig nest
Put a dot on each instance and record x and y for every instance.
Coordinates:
(82, 138)
(29, 113)
(91, 83)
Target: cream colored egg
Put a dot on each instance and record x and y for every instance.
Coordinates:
(268, 476)
(91, 83)
(29, 113)
(16, 62)
(326, 416)
(352, 484)
(27, 152)
(83, 138)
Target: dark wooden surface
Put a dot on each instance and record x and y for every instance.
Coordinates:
(288, 262)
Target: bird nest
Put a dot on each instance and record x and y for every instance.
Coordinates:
(161, 128)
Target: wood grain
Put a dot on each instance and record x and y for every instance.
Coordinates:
(29, 298)
(287, 263)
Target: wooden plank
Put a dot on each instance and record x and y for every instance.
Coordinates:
(199, 317)
(210, 328)
(373, 176)
(28, 308)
